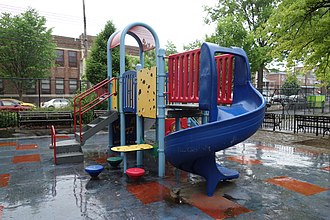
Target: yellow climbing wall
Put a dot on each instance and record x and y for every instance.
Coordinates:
(146, 92)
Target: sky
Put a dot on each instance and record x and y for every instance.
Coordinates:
(178, 21)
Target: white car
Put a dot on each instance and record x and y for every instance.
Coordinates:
(297, 98)
(279, 98)
(56, 103)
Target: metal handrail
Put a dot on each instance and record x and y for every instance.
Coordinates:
(53, 133)
(82, 109)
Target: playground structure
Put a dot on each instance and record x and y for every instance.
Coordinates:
(210, 87)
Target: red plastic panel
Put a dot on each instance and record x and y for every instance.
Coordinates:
(183, 75)
(170, 124)
(183, 71)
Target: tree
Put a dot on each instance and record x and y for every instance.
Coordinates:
(290, 86)
(170, 48)
(150, 56)
(300, 31)
(239, 23)
(193, 45)
(96, 65)
(27, 49)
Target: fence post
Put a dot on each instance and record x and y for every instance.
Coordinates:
(294, 124)
(17, 119)
(39, 93)
(283, 105)
(317, 125)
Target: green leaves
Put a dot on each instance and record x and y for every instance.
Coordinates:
(290, 86)
(170, 48)
(300, 32)
(239, 23)
(26, 46)
(96, 67)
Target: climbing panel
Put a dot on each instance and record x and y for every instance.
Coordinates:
(129, 96)
(114, 97)
(146, 89)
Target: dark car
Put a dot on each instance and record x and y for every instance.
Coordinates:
(12, 106)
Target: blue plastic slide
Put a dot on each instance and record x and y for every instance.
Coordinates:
(193, 149)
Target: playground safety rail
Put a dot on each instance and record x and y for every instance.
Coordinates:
(82, 109)
(183, 77)
(53, 133)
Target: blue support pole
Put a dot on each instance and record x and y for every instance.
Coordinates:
(205, 117)
(109, 74)
(139, 130)
(177, 124)
(177, 128)
(161, 110)
(120, 97)
(121, 94)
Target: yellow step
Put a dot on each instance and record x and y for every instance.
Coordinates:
(134, 147)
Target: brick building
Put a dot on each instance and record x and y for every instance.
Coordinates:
(64, 81)
(65, 76)
(275, 80)
(69, 66)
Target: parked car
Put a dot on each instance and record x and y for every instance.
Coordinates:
(268, 100)
(297, 98)
(13, 106)
(56, 103)
(21, 102)
(279, 98)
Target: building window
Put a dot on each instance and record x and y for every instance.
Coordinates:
(31, 87)
(73, 85)
(73, 59)
(59, 86)
(45, 86)
(59, 58)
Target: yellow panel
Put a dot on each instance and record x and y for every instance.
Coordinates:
(129, 148)
(114, 97)
(146, 92)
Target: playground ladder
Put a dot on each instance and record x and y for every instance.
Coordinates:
(80, 108)
(70, 151)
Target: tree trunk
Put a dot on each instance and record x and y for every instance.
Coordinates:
(260, 81)
(19, 88)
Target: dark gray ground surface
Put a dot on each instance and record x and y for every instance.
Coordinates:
(44, 191)
(302, 140)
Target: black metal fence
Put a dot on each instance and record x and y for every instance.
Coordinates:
(316, 124)
(303, 91)
(306, 100)
(14, 119)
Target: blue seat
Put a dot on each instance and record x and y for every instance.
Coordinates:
(94, 170)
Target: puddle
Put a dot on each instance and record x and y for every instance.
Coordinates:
(276, 155)
(320, 142)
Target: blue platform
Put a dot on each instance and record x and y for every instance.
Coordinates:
(94, 170)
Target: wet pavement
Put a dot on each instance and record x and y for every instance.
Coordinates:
(276, 182)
